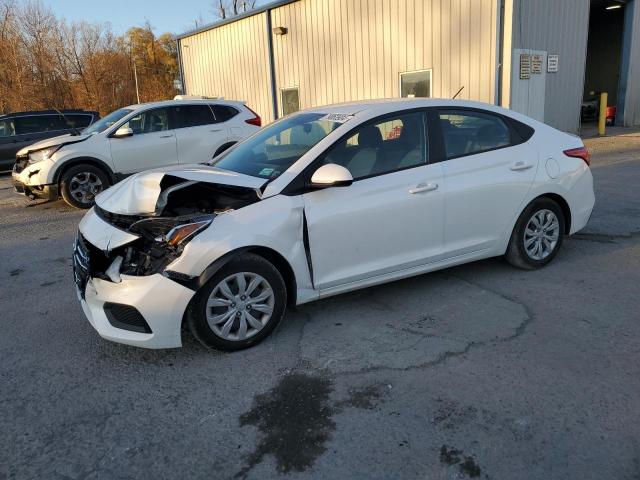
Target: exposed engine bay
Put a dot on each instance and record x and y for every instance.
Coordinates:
(183, 209)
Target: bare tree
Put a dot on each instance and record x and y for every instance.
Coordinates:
(230, 8)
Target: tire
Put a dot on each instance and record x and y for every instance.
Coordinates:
(219, 326)
(79, 194)
(521, 252)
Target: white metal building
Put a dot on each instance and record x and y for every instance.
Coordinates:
(546, 58)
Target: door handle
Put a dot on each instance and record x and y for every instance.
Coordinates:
(216, 130)
(520, 165)
(166, 136)
(423, 187)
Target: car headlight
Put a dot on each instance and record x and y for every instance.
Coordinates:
(179, 234)
(44, 154)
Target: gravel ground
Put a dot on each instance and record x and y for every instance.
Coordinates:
(479, 371)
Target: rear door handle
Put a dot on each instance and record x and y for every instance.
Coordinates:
(216, 130)
(520, 165)
(423, 187)
(166, 136)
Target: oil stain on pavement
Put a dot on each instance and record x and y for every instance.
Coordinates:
(294, 418)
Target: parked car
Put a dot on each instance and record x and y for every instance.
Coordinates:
(80, 165)
(21, 129)
(322, 202)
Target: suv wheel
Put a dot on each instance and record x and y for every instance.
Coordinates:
(81, 183)
(240, 305)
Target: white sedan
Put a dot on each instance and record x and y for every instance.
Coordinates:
(322, 202)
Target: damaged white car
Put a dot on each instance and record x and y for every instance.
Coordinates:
(322, 202)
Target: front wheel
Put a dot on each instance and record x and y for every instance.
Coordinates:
(81, 183)
(240, 305)
(537, 236)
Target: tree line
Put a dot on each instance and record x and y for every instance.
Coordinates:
(46, 62)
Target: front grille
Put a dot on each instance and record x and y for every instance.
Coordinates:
(126, 317)
(81, 263)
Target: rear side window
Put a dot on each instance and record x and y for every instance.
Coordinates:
(468, 132)
(38, 123)
(7, 128)
(78, 121)
(192, 116)
(224, 112)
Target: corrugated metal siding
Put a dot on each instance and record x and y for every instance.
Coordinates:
(232, 61)
(558, 27)
(341, 50)
(632, 98)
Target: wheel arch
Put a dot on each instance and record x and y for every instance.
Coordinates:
(57, 176)
(269, 254)
(564, 206)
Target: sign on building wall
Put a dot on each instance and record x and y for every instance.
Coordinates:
(536, 64)
(552, 63)
(525, 66)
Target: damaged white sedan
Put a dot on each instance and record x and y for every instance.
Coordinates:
(322, 202)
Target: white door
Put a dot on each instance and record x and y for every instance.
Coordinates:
(153, 143)
(198, 134)
(487, 177)
(390, 218)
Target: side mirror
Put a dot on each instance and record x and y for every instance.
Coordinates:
(123, 132)
(331, 175)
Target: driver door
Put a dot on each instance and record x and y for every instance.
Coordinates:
(153, 143)
(391, 217)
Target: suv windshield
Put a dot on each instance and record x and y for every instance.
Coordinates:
(104, 123)
(275, 148)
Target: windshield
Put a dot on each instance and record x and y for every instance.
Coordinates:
(275, 148)
(105, 122)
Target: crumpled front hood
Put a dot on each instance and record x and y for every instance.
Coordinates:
(139, 194)
(52, 142)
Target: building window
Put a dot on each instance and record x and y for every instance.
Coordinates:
(415, 84)
(290, 100)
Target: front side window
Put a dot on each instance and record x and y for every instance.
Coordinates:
(156, 120)
(108, 121)
(7, 129)
(275, 148)
(192, 116)
(37, 124)
(415, 84)
(381, 147)
(78, 121)
(290, 100)
(469, 132)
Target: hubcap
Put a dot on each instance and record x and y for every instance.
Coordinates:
(240, 306)
(84, 186)
(541, 234)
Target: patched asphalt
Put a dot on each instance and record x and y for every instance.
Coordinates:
(479, 371)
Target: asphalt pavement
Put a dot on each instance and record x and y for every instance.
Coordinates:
(479, 371)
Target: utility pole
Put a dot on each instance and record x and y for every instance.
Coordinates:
(135, 76)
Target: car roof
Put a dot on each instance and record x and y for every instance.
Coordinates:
(190, 101)
(48, 112)
(384, 105)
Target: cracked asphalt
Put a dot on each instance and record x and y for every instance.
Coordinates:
(479, 371)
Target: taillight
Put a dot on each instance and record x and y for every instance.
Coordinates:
(580, 152)
(257, 121)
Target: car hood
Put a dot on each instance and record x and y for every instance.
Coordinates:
(53, 142)
(149, 192)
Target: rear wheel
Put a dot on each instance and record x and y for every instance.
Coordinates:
(240, 305)
(81, 183)
(537, 236)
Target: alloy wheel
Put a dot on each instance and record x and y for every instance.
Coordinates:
(84, 186)
(240, 306)
(541, 234)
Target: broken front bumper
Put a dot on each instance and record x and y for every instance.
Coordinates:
(160, 302)
(27, 180)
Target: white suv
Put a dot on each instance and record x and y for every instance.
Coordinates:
(135, 138)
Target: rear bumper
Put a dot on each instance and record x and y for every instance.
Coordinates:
(160, 301)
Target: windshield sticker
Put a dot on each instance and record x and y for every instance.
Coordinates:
(266, 172)
(337, 117)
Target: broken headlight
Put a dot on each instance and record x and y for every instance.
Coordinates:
(171, 231)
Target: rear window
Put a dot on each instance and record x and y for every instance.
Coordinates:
(78, 121)
(224, 112)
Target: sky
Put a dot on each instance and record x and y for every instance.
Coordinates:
(175, 16)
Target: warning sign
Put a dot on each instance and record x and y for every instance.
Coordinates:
(536, 64)
(525, 66)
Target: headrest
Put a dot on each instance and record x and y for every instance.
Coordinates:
(370, 137)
